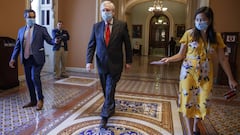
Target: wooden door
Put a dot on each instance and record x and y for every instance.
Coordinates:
(159, 34)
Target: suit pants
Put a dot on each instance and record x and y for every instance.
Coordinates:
(109, 82)
(60, 62)
(32, 74)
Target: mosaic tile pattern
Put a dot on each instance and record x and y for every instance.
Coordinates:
(219, 91)
(13, 118)
(118, 128)
(224, 115)
(75, 80)
(55, 122)
(111, 131)
(148, 115)
(153, 110)
(12, 115)
(157, 88)
(225, 119)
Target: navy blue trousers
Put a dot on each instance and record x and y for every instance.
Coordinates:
(109, 82)
(32, 74)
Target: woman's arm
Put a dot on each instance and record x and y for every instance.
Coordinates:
(226, 67)
(177, 57)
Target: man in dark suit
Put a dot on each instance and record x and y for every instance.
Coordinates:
(60, 50)
(109, 55)
(30, 45)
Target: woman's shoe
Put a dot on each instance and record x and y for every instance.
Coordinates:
(196, 133)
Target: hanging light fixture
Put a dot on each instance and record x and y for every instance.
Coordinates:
(157, 7)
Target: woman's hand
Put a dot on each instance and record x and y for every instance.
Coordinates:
(165, 60)
(159, 62)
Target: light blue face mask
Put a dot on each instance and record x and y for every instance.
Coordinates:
(107, 16)
(201, 25)
(30, 21)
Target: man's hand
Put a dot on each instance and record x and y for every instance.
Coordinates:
(89, 67)
(57, 40)
(128, 66)
(11, 63)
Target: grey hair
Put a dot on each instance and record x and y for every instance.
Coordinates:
(107, 3)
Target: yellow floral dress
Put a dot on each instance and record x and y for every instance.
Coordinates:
(196, 76)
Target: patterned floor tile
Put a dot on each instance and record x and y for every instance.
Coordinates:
(225, 119)
(14, 118)
(154, 116)
(76, 80)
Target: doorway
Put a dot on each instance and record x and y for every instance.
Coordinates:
(159, 35)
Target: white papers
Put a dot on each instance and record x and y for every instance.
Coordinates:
(157, 62)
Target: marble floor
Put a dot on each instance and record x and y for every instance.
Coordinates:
(146, 99)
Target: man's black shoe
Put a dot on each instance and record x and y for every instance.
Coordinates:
(103, 123)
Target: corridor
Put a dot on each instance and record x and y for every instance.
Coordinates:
(146, 104)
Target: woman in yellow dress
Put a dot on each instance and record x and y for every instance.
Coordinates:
(200, 47)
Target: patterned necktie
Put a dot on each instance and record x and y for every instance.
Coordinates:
(107, 34)
(27, 44)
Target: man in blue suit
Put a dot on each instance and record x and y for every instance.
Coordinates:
(109, 55)
(30, 45)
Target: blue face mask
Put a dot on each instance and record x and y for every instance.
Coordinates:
(201, 25)
(30, 21)
(107, 16)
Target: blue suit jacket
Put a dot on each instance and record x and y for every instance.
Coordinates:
(39, 35)
(64, 36)
(109, 59)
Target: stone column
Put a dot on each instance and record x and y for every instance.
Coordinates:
(121, 10)
(192, 6)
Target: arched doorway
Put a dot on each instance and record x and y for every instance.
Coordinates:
(136, 13)
(159, 35)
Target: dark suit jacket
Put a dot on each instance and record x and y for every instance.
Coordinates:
(39, 35)
(64, 36)
(109, 59)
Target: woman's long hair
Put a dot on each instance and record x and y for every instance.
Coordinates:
(211, 34)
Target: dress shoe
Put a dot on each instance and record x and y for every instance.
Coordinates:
(196, 133)
(31, 104)
(39, 105)
(57, 78)
(103, 123)
(64, 76)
